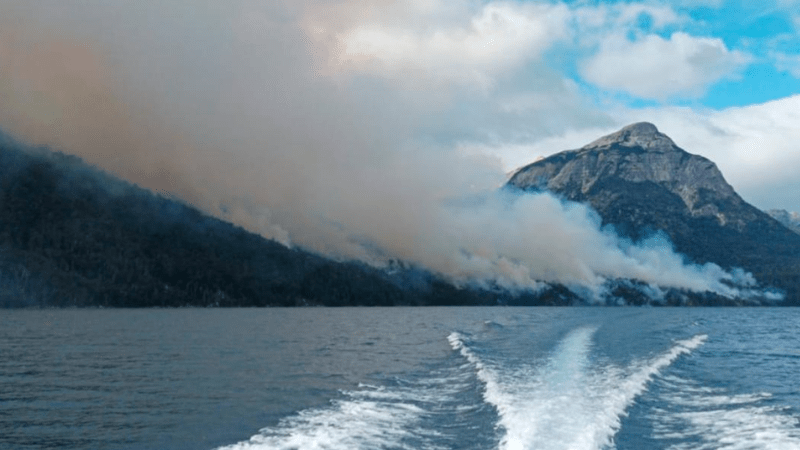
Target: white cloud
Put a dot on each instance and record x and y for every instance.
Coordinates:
(495, 38)
(592, 22)
(656, 68)
(512, 156)
(787, 63)
(692, 4)
(661, 15)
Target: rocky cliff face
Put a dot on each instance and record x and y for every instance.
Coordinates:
(638, 154)
(640, 181)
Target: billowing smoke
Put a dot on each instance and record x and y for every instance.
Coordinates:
(270, 117)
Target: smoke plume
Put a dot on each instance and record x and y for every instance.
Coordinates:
(268, 116)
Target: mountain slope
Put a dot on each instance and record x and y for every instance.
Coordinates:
(790, 220)
(71, 235)
(640, 182)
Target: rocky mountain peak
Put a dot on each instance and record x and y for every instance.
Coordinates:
(640, 182)
(636, 157)
(644, 135)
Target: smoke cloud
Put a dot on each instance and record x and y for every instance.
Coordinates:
(271, 116)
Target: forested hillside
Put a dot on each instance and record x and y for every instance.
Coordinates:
(71, 235)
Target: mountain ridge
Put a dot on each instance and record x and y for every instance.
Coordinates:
(639, 181)
(636, 153)
(72, 235)
(790, 220)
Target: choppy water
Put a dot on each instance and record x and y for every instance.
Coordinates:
(401, 378)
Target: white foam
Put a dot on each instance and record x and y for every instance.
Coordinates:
(370, 418)
(709, 419)
(349, 425)
(565, 403)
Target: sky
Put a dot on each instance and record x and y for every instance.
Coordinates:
(378, 130)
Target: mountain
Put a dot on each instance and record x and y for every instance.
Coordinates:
(640, 182)
(790, 220)
(71, 235)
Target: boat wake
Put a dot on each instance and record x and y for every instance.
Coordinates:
(702, 418)
(567, 402)
(430, 413)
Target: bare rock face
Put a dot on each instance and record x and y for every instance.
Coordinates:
(642, 134)
(637, 153)
(641, 182)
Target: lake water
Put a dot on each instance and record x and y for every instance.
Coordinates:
(401, 378)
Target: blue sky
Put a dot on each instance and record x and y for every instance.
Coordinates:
(767, 32)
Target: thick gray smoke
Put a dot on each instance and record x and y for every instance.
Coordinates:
(252, 113)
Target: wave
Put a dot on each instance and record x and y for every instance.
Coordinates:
(566, 403)
(709, 419)
(405, 416)
(350, 424)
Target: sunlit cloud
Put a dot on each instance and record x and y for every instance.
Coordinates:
(657, 68)
(497, 37)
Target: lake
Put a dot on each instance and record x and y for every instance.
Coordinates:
(401, 378)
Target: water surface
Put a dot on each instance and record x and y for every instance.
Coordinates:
(400, 378)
